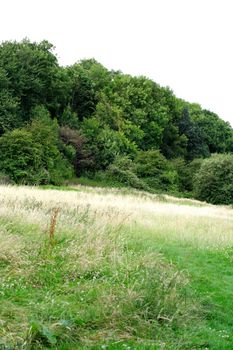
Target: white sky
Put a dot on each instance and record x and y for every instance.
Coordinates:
(183, 44)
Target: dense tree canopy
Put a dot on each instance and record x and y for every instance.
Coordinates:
(58, 121)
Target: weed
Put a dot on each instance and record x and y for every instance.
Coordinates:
(52, 227)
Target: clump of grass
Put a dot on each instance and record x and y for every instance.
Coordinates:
(10, 247)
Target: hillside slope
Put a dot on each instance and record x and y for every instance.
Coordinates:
(113, 269)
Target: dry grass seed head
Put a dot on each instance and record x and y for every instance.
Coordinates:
(11, 249)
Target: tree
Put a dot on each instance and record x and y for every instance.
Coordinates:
(173, 144)
(75, 150)
(186, 172)
(21, 157)
(156, 171)
(10, 116)
(216, 132)
(45, 131)
(134, 105)
(104, 144)
(83, 98)
(32, 73)
(196, 145)
(214, 181)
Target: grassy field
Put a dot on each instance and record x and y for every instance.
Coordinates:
(113, 269)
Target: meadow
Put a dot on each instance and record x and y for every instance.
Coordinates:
(98, 268)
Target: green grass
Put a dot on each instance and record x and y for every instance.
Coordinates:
(211, 276)
(210, 273)
(48, 299)
(106, 283)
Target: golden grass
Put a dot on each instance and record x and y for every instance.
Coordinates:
(205, 224)
(10, 249)
(98, 226)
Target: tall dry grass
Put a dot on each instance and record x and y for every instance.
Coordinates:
(203, 224)
(98, 275)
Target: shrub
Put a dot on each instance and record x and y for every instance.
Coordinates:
(186, 172)
(74, 149)
(150, 163)
(122, 171)
(31, 155)
(156, 171)
(105, 144)
(45, 132)
(214, 181)
(191, 170)
(20, 157)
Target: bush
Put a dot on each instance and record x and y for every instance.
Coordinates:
(73, 148)
(31, 155)
(45, 132)
(122, 171)
(105, 144)
(20, 157)
(186, 172)
(156, 171)
(214, 181)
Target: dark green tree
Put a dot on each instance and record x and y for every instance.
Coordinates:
(156, 171)
(196, 145)
(10, 116)
(33, 74)
(45, 132)
(214, 181)
(21, 157)
(216, 132)
(104, 144)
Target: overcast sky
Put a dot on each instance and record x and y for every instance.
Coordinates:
(183, 44)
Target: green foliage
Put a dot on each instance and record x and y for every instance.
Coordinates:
(156, 170)
(150, 163)
(192, 169)
(20, 157)
(31, 70)
(84, 118)
(196, 144)
(137, 103)
(229, 143)
(10, 117)
(216, 132)
(173, 144)
(45, 131)
(40, 334)
(186, 172)
(214, 180)
(69, 118)
(122, 171)
(83, 100)
(31, 155)
(105, 144)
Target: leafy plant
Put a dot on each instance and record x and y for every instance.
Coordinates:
(156, 171)
(214, 181)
